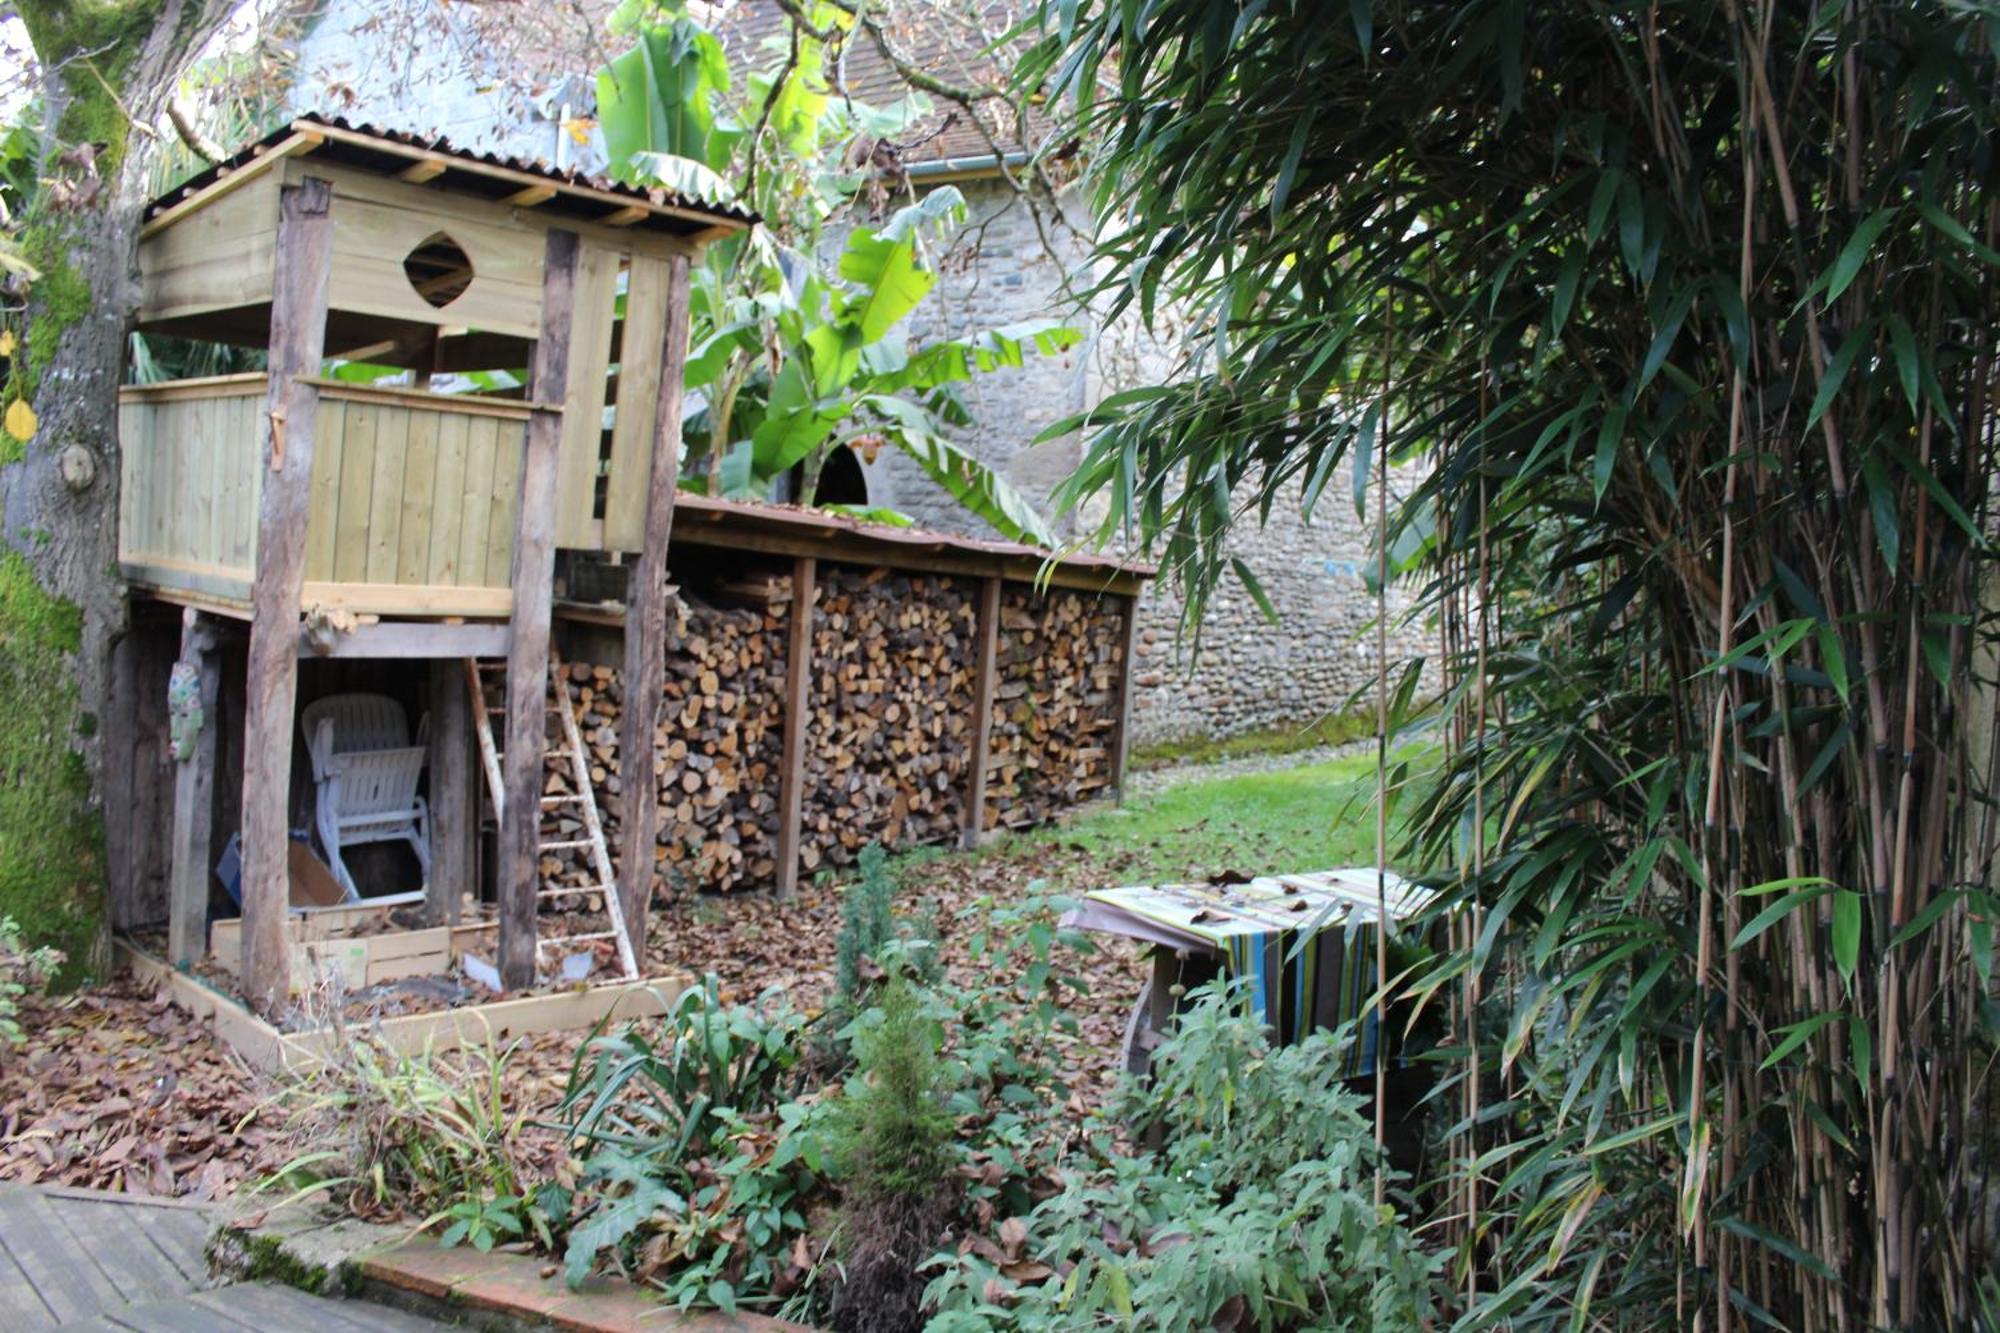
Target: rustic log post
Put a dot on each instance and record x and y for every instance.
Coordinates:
(986, 642)
(1121, 738)
(298, 334)
(798, 681)
(453, 822)
(646, 624)
(194, 689)
(528, 648)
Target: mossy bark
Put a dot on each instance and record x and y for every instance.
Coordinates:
(105, 63)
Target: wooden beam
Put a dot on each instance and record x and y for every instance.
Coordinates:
(623, 217)
(221, 187)
(298, 338)
(421, 172)
(798, 696)
(412, 638)
(195, 684)
(986, 646)
(1121, 739)
(646, 623)
(531, 195)
(533, 582)
(454, 821)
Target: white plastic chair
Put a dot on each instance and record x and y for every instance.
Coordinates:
(365, 774)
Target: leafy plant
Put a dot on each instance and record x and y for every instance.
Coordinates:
(1686, 315)
(799, 347)
(481, 1222)
(690, 1170)
(868, 923)
(429, 1135)
(1258, 1211)
(21, 969)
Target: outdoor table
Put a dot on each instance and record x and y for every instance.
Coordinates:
(1304, 943)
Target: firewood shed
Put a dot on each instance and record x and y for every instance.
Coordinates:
(493, 538)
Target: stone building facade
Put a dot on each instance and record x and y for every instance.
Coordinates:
(1239, 673)
(496, 82)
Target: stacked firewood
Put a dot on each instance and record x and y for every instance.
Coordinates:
(1055, 703)
(890, 712)
(888, 717)
(716, 746)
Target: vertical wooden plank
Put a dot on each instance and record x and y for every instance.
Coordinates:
(298, 337)
(651, 289)
(1122, 736)
(245, 489)
(357, 485)
(596, 300)
(448, 507)
(413, 543)
(199, 671)
(206, 448)
(476, 506)
(798, 682)
(453, 821)
(528, 649)
(134, 733)
(509, 443)
(385, 505)
(325, 517)
(646, 597)
(985, 654)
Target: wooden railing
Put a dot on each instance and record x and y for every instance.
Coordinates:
(413, 495)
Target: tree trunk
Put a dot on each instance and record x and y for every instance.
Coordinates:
(62, 605)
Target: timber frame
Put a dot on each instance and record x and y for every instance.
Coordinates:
(302, 514)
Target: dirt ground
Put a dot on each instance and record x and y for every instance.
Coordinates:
(114, 1089)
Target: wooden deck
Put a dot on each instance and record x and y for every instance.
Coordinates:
(72, 1260)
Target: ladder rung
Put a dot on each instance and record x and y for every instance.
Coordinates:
(570, 890)
(548, 801)
(578, 939)
(564, 846)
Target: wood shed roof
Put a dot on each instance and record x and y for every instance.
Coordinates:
(792, 530)
(437, 163)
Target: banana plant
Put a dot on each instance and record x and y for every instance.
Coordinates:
(800, 348)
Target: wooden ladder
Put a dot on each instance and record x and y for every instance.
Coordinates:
(482, 675)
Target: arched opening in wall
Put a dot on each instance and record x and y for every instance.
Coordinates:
(439, 270)
(841, 481)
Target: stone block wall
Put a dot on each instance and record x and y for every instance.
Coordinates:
(1249, 675)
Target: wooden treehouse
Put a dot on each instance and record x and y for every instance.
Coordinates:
(317, 559)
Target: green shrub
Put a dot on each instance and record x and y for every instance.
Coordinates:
(1258, 1212)
(894, 1155)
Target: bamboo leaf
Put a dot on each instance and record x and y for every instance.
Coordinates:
(1846, 931)
(1777, 1245)
(1836, 370)
(1855, 253)
(1255, 587)
(1797, 1035)
(1903, 343)
(1609, 433)
(1777, 912)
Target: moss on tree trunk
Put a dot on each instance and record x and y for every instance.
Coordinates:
(62, 605)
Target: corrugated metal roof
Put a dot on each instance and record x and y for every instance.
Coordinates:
(613, 190)
(910, 543)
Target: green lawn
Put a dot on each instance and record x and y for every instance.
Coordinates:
(1308, 818)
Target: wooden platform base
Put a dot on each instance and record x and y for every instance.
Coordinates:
(265, 1047)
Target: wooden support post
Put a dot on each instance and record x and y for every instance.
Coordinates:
(986, 646)
(534, 589)
(194, 685)
(646, 625)
(298, 338)
(453, 811)
(798, 687)
(1121, 738)
(138, 775)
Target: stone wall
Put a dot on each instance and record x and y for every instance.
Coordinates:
(1249, 674)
